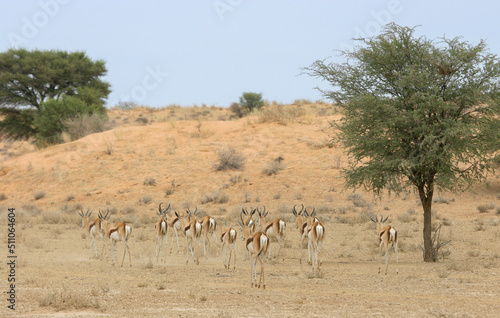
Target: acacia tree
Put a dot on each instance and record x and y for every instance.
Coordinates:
(418, 114)
(28, 79)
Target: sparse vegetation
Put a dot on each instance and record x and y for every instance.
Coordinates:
(67, 299)
(149, 181)
(483, 208)
(229, 159)
(281, 114)
(85, 124)
(357, 199)
(147, 199)
(215, 197)
(438, 245)
(236, 110)
(39, 195)
(273, 167)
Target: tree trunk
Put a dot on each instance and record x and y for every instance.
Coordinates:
(427, 232)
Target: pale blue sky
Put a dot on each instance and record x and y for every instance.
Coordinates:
(209, 52)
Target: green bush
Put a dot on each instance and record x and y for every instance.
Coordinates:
(49, 121)
(250, 101)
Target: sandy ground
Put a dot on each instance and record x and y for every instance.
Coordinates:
(133, 167)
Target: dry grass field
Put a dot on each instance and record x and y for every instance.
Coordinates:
(170, 156)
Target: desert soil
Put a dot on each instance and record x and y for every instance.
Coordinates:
(133, 167)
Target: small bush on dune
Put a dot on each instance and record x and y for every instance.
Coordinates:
(83, 125)
(273, 167)
(39, 195)
(229, 158)
(282, 114)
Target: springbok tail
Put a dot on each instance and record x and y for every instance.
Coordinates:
(394, 235)
(128, 231)
(282, 228)
(232, 236)
(320, 231)
(264, 241)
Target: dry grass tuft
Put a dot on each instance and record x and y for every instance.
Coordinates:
(67, 300)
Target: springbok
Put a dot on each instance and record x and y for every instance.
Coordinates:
(386, 235)
(274, 228)
(208, 227)
(257, 245)
(175, 224)
(302, 219)
(118, 232)
(94, 228)
(228, 241)
(192, 231)
(249, 218)
(315, 234)
(161, 227)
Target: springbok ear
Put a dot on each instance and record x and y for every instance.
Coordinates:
(385, 219)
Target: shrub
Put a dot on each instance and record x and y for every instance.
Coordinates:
(127, 105)
(39, 195)
(439, 199)
(485, 207)
(236, 110)
(146, 199)
(250, 101)
(215, 197)
(438, 245)
(85, 124)
(150, 181)
(129, 210)
(358, 200)
(406, 217)
(50, 120)
(273, 167)
(280, 114)
(229, 158)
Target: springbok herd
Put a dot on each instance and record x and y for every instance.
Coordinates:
(257, 240)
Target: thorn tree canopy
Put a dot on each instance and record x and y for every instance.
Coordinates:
(28, 79)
